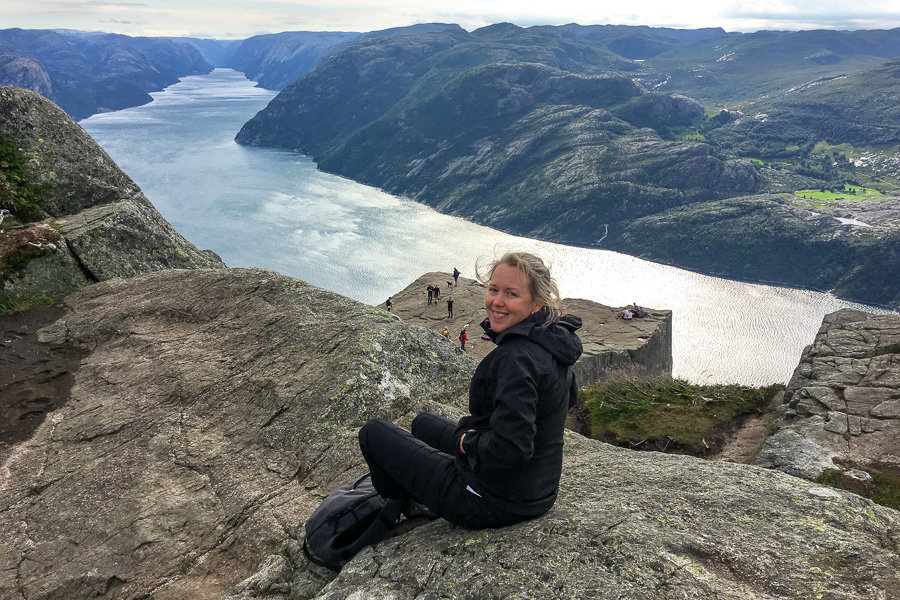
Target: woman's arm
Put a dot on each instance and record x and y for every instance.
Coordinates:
(508, 441)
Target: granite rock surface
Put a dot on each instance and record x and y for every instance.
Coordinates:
(207, 413)
(842, 406)
(212, 410)
(107, 227)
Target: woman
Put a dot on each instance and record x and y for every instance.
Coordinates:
(501, 464)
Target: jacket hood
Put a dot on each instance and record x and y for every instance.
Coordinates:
(558, 338)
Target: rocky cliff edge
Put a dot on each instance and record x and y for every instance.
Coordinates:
(841, 409)
(610, 343)
(211, 410)
(97, 225)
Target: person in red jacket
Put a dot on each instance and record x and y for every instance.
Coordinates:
(502, 463)
(463, 338)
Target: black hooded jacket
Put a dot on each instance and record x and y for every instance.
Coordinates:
(518, 400)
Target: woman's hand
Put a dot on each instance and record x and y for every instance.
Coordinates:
(461, 438)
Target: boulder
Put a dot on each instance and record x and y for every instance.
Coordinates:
(842, 404)
(106, 226)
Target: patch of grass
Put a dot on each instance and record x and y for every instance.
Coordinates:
(885, 492)
(850, 192)
(670, 415)
(690, 136)
(18, 194)
(823, 147)
(186, 564)
(9, 305)
(771, 162)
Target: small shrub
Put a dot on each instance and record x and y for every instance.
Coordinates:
(9, 305)
(669, 415)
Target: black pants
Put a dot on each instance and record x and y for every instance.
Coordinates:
(420, 465)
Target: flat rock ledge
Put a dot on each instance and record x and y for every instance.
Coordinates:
(841, 407)
(610, 343)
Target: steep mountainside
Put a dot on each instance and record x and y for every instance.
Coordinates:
(24, 71)
(741, 67)
(851, 247)
(218, 53)
(488, 125)
(861, 109)
(532, 131)
(93, 72)
(276, 60)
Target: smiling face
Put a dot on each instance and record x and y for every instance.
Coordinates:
(508, 300)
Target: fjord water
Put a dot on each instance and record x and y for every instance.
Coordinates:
(270, 208)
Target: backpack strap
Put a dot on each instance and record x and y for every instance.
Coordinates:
(314, 559)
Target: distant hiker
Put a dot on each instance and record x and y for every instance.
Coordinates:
(450, 307)
(626, 314)
(463, 338)
(637, 311)
(501, 464)
(389, 304)
(437, 292)
(446, 333)
(430, 294)
(455, 276)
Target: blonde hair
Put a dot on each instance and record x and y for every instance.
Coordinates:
(541, 285)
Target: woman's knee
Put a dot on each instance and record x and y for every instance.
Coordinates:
(430, 420)
(370, 429)
(420, 421)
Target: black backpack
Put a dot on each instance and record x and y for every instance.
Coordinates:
(349, 519)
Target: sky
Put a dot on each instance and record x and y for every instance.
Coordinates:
(238, 19)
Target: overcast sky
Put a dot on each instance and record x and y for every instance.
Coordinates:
(242, 18)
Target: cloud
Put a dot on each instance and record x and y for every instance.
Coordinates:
(243, 18)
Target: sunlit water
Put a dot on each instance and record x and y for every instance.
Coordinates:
(270, 208)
